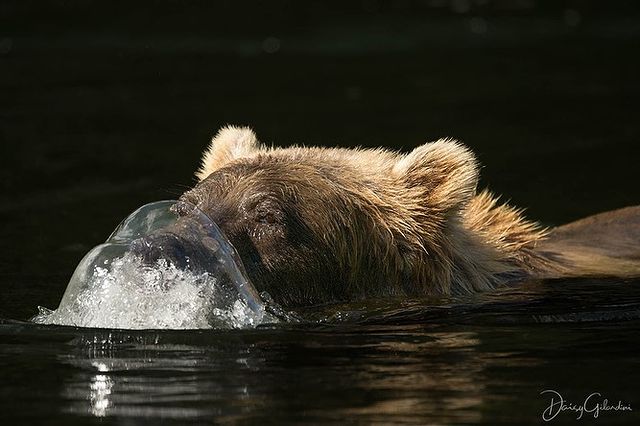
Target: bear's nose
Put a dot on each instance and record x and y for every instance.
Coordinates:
(156, 247)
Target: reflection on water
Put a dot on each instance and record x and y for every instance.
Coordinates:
(455, 393)
(138, 376)
(452, 361)
(108, 392)
(178, 381)
(100, 389)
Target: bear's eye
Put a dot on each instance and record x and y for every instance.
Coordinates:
(267, 217)
(267, 213)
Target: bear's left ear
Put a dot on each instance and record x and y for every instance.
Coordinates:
(446, 170)
(230, 143)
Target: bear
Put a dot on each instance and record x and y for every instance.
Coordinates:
(316, 225)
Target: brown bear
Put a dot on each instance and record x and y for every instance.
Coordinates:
(315, 225)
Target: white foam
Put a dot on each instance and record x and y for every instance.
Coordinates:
(127, 294)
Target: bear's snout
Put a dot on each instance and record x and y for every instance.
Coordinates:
(156, 247)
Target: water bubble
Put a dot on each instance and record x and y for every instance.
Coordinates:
(115, 287)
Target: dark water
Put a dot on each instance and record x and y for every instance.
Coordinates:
(481, 360)
(106, 107)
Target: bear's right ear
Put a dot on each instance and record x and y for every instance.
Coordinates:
(445, 171)
(229, 144)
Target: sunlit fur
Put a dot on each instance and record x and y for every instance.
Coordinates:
(397, 224)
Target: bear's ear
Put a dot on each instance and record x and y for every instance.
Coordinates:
(446, 170)
(229, 144)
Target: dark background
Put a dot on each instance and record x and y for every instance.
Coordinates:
(105, 106)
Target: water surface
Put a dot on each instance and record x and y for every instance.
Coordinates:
(486, 358)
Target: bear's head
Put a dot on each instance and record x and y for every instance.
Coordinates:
(314, 225)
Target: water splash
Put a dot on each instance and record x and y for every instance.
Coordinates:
(133, 295)
(115, 287)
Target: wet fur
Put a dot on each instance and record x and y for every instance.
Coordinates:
(393, 224)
